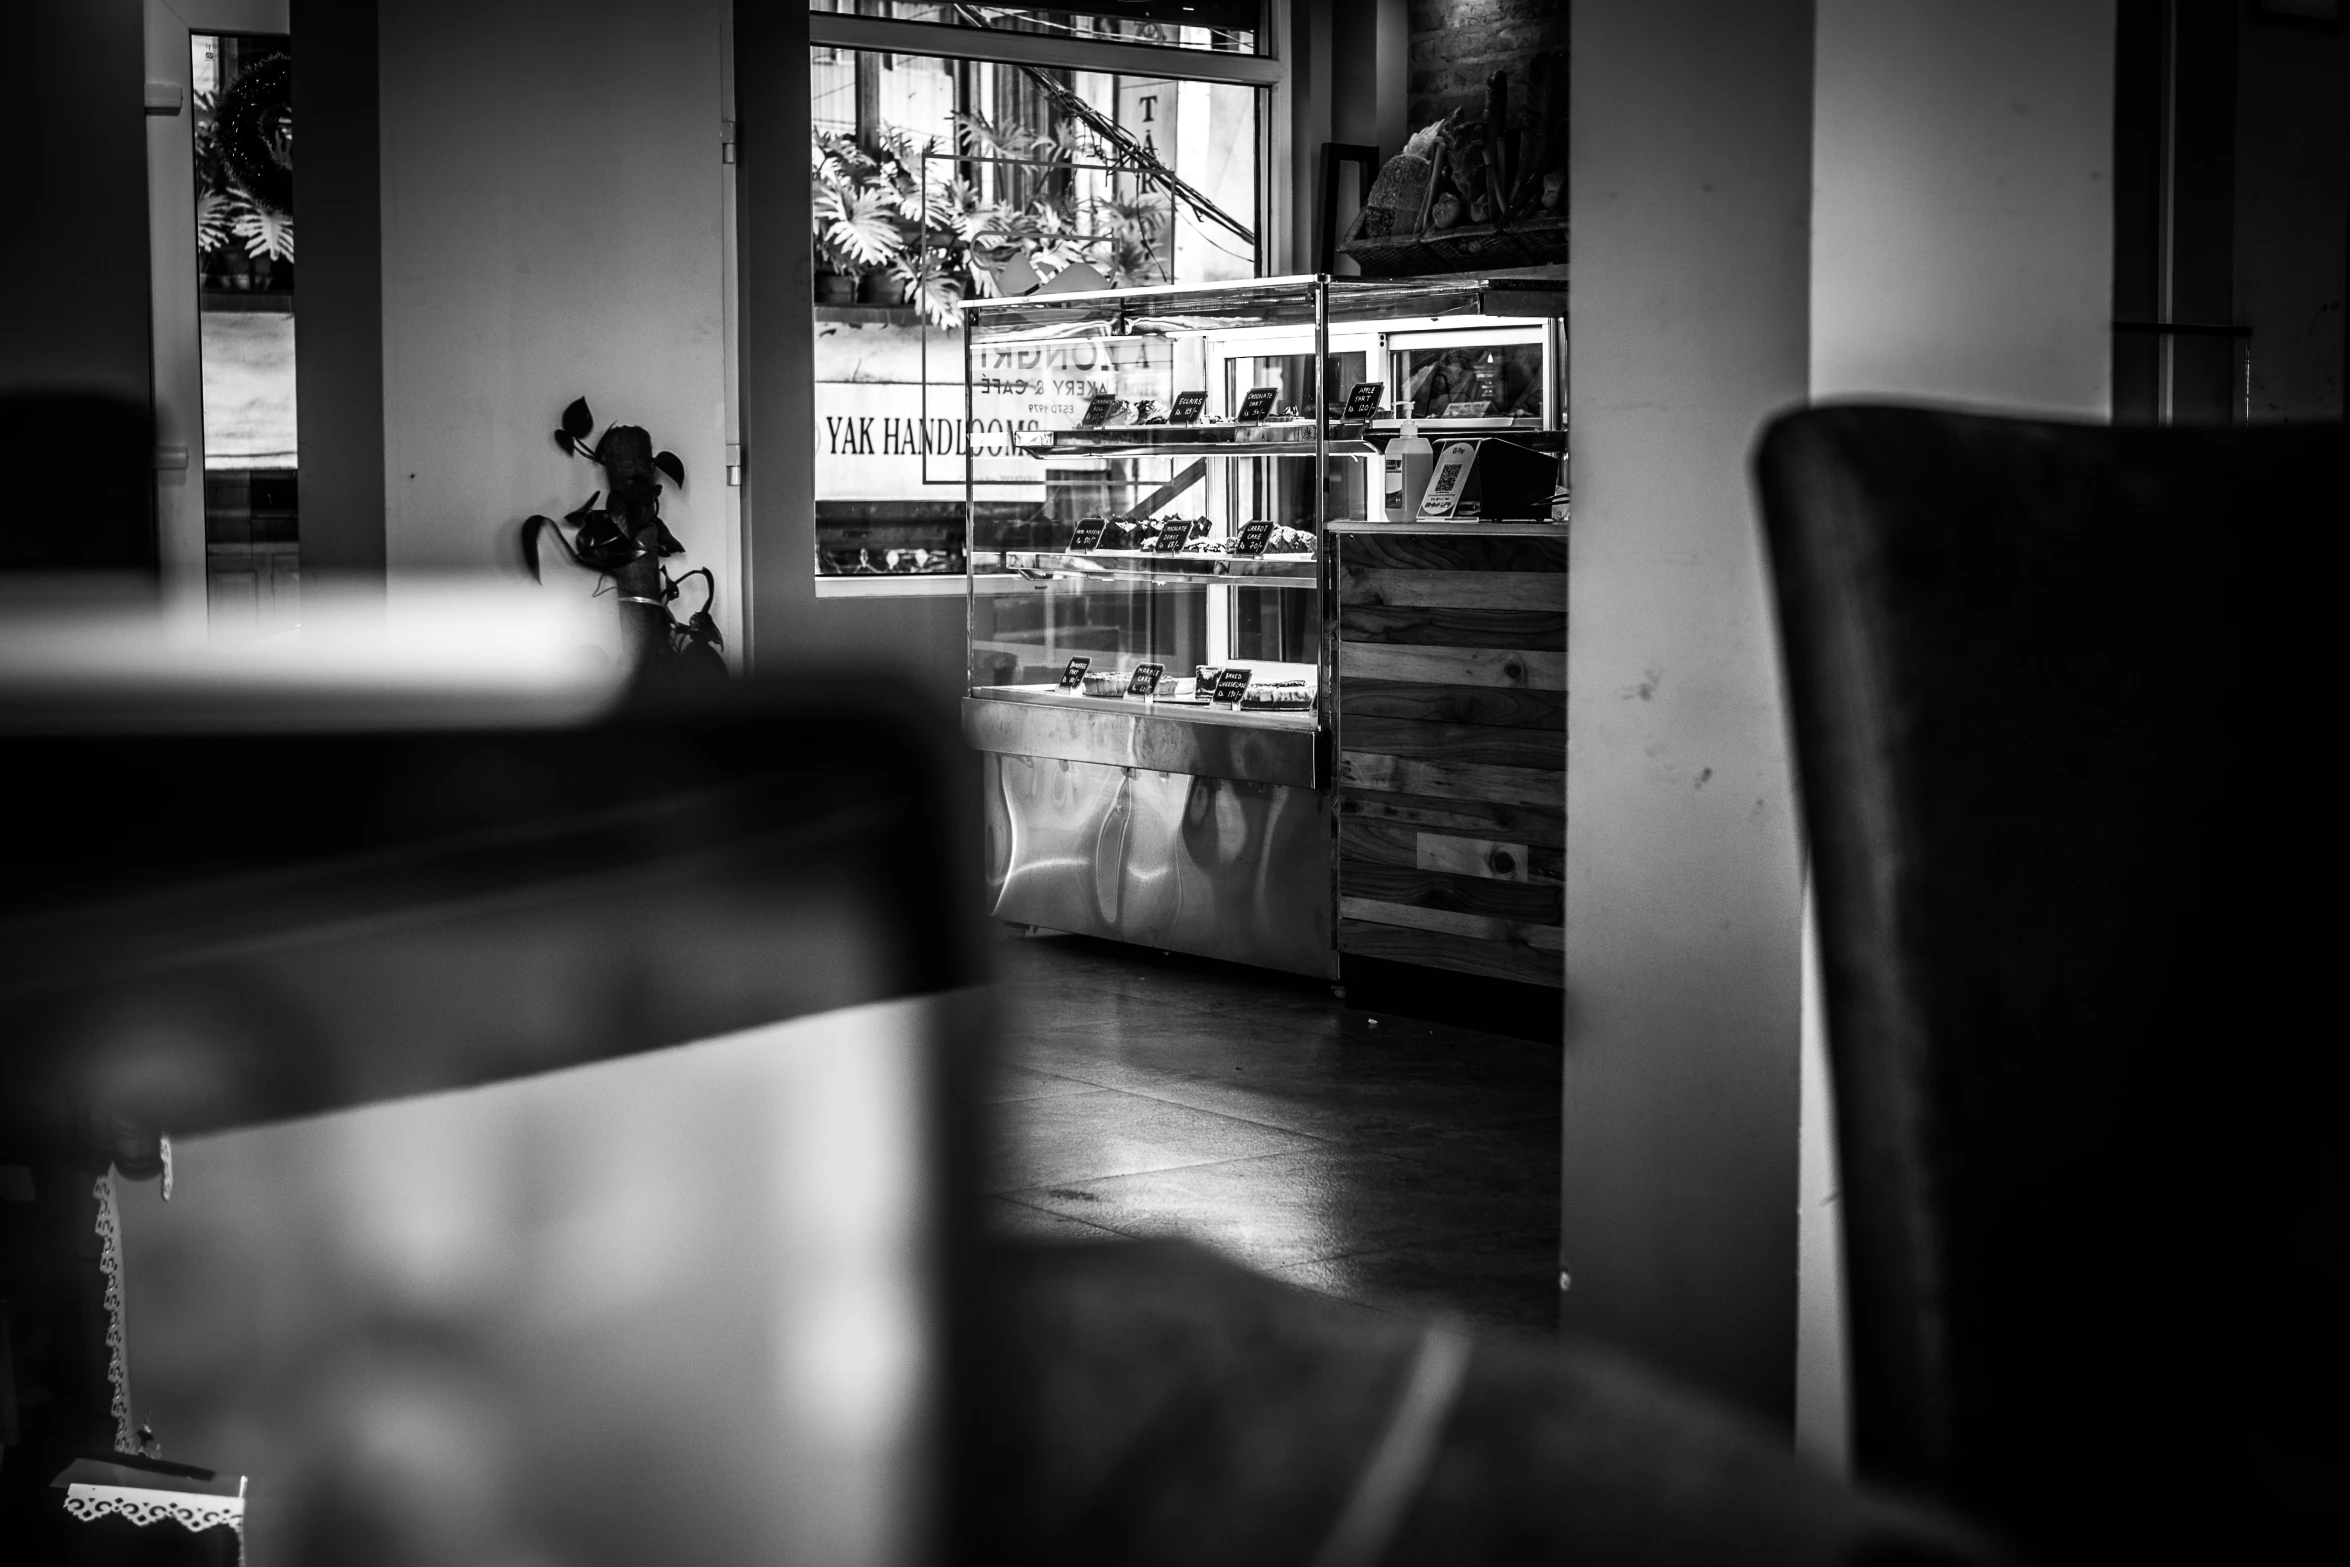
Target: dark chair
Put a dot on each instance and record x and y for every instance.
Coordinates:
(2061, 697)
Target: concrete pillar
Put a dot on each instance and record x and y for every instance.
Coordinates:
(1691, 203)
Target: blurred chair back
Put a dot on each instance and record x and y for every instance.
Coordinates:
(2060, 697)
(560, 1082)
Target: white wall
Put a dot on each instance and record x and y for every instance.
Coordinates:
(1962, 253)
(552, 227)
(1963, 218)
(1691, 201)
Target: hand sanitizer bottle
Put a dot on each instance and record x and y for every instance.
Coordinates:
(1409, 459)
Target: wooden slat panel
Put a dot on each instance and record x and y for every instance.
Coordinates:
(1533, 629)
(1409, 844)
(1473, 927)
(1532, 590)
(1452, 780)
(1454, 666)
(1461, 954)
(1538, 748)
(1464, 551)
(1502, 708)
(1484, 857)
(1524, 902)
(1533, 825)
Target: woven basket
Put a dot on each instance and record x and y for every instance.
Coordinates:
(1388, 242)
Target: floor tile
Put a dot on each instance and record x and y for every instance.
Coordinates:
(1004, 1219)
(1086, 1137)
(1397, 1116)
(1288, 1208)
(1398, 1163)
(1507, 1281)
(1006, 1082)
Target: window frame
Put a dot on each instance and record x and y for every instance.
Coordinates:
(1265, 71)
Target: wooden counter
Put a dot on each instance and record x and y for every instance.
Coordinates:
(1451, 746)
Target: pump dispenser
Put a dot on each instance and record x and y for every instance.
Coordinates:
(1409, 460)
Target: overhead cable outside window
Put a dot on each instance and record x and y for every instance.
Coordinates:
(1123, 149)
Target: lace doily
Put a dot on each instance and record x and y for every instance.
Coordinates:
(190, 1510)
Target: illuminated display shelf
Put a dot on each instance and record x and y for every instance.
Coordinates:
(1171, 821)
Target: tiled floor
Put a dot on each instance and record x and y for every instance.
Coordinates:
(1394, 1162)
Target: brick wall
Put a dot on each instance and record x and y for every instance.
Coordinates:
(1456, 44)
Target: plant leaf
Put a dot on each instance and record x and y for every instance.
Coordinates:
(530, 543)
(563, 439)
(577, 421)
(701, 628)
(701, 658)
(605, 545)
(669, 464)
(266, 231)
(213, 212)
(869, 233)
(662, 539)
(587, 509)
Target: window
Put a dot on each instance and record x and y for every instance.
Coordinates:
(1214, 26)
(244, 210)
(939, 178)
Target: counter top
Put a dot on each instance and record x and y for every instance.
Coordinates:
(1463, 530)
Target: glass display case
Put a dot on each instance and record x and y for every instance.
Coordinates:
(1151, 678)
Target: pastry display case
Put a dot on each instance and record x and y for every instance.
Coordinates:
(1152, 646)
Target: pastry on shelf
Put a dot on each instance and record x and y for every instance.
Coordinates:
(1129, 534)
(1277, 696)
(1289, 541)
(1104, 683)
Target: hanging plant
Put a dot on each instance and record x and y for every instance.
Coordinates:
(625, 540)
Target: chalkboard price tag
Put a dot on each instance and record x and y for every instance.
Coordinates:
(1363, 402)
(1473, 408)
(1088, 535)
(1173, 537)
(1257, 404)
(1253, 538)
(1073, 675)
(1187, 407)
(1230, 683)
(1146, 679)
(1098, 411)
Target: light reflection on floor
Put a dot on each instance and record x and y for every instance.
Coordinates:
(1398, 1163)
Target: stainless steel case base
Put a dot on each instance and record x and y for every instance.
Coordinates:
(1216, 867)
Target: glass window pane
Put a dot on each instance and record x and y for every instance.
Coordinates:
(245, 322)
(941, 179)
(1219, 26)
